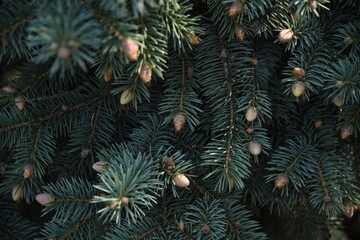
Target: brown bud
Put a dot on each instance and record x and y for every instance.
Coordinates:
(339, 84)
(108, 74)
(17, 193)
(126, 97)
(313, 4)
(298, 88)
(124, 200)
(281, 180)
(145, 73)
(338, 101)
(348, 41)
(318, 123)
(179, 121)
(235, 9)
(251, 113)
(63, 52)
(130, 48)
(168, 162)
(99, 166)
(205, 229)
(239, 32)
(254, 62)
(254, 148)
(181, 225)
(250, 130)
(346, 131)
(28, 171)
(192, 38)
(348, 212)
(8, 89)
(326, 199)
(298, 72)
(20, 102)
(286, 35)
(181, 180)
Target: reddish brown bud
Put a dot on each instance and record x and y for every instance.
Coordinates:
(124, 200)
(250, 130)
(108, 74)
(298, 72)
(130, 48)
(28, 171)
(339, 84)
(318, 123)
(326, 199)
(239, 32)
(145, 73)
(254, 62)
(168, 162)
(179, 121)
(281, 180)
(205, 229)
(63, 52)
(313, 4)
(181, 225)
(346, 131)
(192, 38)
(286, 35)
(235, 9)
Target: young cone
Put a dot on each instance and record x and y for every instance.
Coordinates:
(20, 103)
(181, 180)
(126, 97)
(298, 72)
(298, 89)
(28, 171)
(44, 199)
(130, 48)
(235, 9)
(281, 180)
(108, 74)
(99, 166)
(254, 148)
(179, 121)
(17, 193)
(285, 35)
(251, 114)
(145, 73)
(239, 32)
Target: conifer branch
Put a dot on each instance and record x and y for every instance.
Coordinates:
(12, 27)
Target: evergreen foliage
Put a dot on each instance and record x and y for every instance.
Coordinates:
(179, 119)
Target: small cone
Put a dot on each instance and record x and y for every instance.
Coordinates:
(235, 9)
(181, 180)
(254, 148)
(281, 180)
(17, 193)
(130, 48)
(8, 89)
(205, 229)
(346, 131)
(99, 166)
(239, 32)
(28, 171)
(108, 74)
(44, 199)
(179, 121)
(286, 35)
(338, 101)
(126, 97)
(298, 72)
(251, 114)
(63, 52)
(181, 225)
(124, 200)
(192, 38)
(298, 89)
(313, 4)
(145, 73)
(20, 103)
